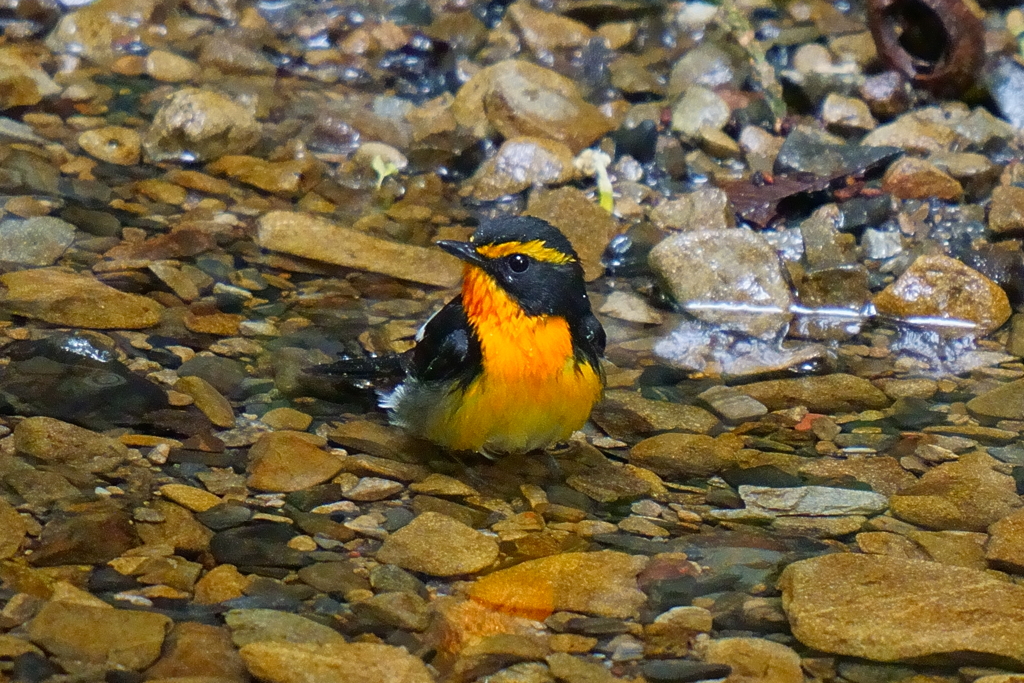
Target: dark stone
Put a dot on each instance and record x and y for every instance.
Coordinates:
(32, 667)
(333, 577)
(391, 578)
(69, 377)
(309, 498)
(682, 670)
(93, 535)
(596, 626)
(224, 374)
(259, 545)
(668, 593)
(804, 153)
(761, 475)
(224, 516)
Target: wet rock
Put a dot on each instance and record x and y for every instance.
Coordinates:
(728, 278)
(825, 394)
(397, 609)
(911, 178)
(369, 489)
(288, 461)
(519, 98)
(53, 441)
(208, 400)
(23, 81)
(632, 308)
(288, 177)
(732, 404)
(812, 500)
(438, 545)
(37, 241)
(12, 530)
(705, 209)
(258, 625)
(936, 286)
(520, 163)
(1006, 210)
(64, 298)
(1003, 402)
(698, 109)
(808, 150)
(93, 534)
(169, 67)
(97, 31)
(190, 497)
(912, 133)
(334, 577)
(818, 527)
(600, 584)
(310, 236)
(857, 605)
(282, 662)
(966, 495)
(627, 411)
(587, 225)
(824, 246)
(545, 31)
(846, 114)
(1005, 549)
(179, 529)
(755, 660)
(682, 671)
(200, 125)
(193, 649)
(883, 474)
(223, 582)
(565, 667)
(112, 144)
(711, 64)
(679, 456)
(287, 418)
(109, 637)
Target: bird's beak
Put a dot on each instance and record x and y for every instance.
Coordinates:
(464, 251)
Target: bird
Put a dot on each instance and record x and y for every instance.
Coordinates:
(513, 363)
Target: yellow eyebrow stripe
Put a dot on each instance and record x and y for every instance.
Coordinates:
(533, 248)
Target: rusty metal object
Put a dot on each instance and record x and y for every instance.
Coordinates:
(938, 44)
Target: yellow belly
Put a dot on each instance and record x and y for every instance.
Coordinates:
(503, 413)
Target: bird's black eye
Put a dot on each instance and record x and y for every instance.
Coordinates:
(518, 263)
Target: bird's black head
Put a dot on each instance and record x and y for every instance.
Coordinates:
(532, 261)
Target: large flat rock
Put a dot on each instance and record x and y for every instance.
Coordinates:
(888, 609)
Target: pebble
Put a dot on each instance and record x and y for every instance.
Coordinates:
(678, 456)
(288, 177)
(755, 659)
(223, 582)
(965, 495)
(728, 278)
(520, 98)
(1005, 401)
(631, 412)
(521, 163)
(199, 650)
(834, 393)
(601, 584)
(818, 527)
(169, 67)
(13, 529)
(436, 484)
(287, 419)
(438, 545)
(37, 241)
(846, 114)
(108, 637)
(190, 497)
(260, 625)
(112, 144)
(289, 461)
(200, 125)
(732, 404)
(912, 134)
(705, 209)
(856, 605)
(698, 109)
(208, 400)
(334, 662)
(812, 500)
(1005, 549)
(911, 178)
(631, 308)
(57, 442)
(1006, 210)
(369, 489)
(68, 299)
(309, 236)
(179, 530)
(942, 288)
(565, 667)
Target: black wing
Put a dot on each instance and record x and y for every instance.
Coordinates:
(588, 339)
(448, 348)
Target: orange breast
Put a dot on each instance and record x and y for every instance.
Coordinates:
(532, 392)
